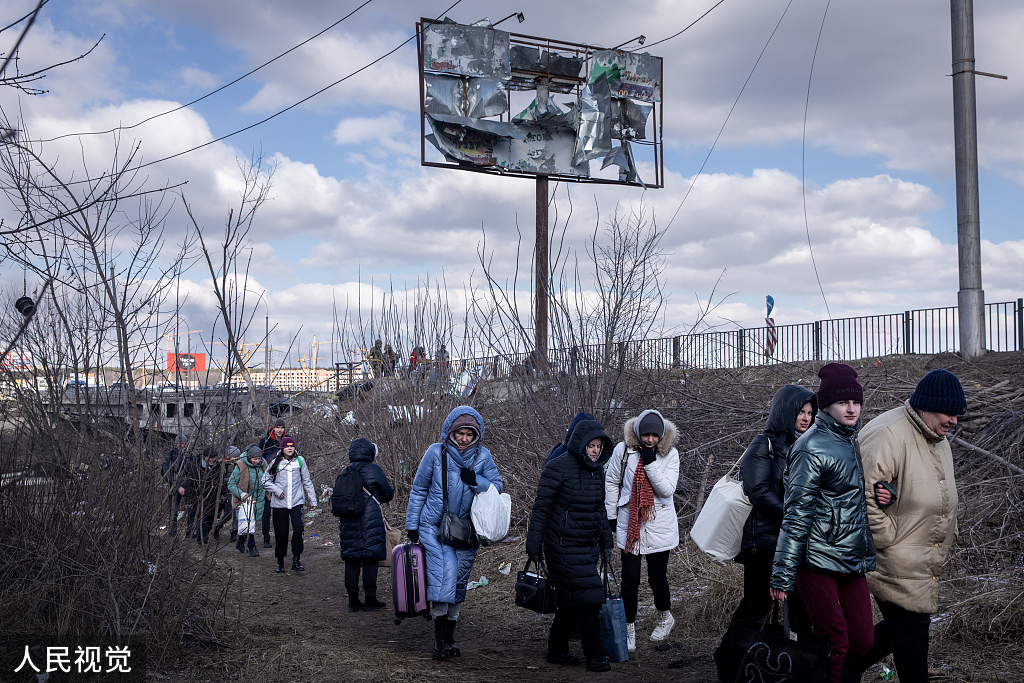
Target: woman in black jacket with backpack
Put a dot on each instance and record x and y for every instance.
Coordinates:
(363, 537)
(761, 469)
(568, 527)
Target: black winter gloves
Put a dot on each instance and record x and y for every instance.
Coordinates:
(611, 525)
(648, 454)
(468, 476)
(537, 559)
(607, 555)
(414, 535)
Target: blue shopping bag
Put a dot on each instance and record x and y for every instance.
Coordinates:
(613, 622)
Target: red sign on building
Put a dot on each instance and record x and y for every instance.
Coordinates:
(186, 362)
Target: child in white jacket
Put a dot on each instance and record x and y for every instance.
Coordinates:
(639, 484)
(290, 486)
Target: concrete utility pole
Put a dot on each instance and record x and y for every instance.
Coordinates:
(971, 297)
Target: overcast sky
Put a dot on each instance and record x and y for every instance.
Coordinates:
(350, 202)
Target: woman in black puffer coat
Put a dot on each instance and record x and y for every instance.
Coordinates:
(761, 469)
(362, 538)
(568, 526)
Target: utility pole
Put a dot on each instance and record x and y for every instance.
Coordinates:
(971, 297)
(541, 276)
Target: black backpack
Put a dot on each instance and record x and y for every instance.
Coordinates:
(347, 499)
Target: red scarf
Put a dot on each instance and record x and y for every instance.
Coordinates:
(641, 506)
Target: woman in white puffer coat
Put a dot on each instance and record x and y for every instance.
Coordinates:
(639, 484)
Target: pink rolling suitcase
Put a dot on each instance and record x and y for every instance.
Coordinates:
(409, 581)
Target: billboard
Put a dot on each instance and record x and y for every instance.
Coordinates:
(511, 104)
(13, 362)
(186, 362)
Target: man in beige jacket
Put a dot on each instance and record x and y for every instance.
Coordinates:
(911, 496)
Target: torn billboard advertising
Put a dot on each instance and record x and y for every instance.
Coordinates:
(466, 50)
(471, 75)
(629, 74)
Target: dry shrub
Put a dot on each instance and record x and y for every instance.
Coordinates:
(83, 553)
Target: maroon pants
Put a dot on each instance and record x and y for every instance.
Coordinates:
(840, 607)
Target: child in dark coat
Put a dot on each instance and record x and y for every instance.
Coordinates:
(362, 539)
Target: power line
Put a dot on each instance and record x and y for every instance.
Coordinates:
(676, 35)
(282, 111)
(214, 92)
(30, 14)
(24, 31)
(803, 158)
(729, 115)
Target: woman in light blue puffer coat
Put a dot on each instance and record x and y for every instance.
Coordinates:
(470, 470)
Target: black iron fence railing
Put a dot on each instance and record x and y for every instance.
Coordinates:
(923, 331)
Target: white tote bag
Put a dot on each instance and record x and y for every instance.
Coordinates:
(492, 514)
(718, 530)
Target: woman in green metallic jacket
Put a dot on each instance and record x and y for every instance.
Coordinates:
(825, 544)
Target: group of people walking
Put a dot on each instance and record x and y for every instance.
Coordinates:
(840, 513)
(267, 484)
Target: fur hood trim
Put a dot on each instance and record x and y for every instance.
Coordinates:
(669, 440)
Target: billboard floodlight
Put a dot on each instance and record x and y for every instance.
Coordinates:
(639, 39)
(518, 15)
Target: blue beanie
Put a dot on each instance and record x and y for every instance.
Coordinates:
(939, 392)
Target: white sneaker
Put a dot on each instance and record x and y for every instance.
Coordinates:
(631, 637)
(665, 623)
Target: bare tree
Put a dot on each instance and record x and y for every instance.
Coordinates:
(229, 283)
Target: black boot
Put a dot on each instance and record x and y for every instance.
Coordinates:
(440, 651)
(252, 546)
(240, 543)
(449, 639)
(280, 565)
(598, 664)
(373, 603)
(353, 602)
(296, 566)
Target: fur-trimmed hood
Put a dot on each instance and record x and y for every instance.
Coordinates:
(667, 442)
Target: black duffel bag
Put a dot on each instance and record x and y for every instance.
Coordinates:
(765, 651)
(535, 591)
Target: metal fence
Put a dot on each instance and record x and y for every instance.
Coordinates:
(923, 331)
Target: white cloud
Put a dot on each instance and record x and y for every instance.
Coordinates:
(383, 135)
(198, 79)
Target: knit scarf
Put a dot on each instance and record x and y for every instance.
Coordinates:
(641, 507)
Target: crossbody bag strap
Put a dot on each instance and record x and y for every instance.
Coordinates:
(444, 477)
(736, 464)
(382, 516)
(622, 473)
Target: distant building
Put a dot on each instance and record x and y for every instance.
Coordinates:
(299, 379)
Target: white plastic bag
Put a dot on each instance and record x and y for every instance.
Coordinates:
(492, 513)
(246, 518)
(718, 530)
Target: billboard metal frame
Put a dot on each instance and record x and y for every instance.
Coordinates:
(566, 85)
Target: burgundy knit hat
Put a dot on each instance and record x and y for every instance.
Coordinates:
(838, 383)
(287, 441)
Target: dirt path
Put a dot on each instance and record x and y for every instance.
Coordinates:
(304, 617)
(296, 628)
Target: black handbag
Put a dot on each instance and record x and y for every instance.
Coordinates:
(454, 530)
(754, 652)
(535, 591)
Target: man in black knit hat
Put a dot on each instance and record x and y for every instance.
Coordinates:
(912, 499)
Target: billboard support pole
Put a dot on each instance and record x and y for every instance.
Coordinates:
(541, 275)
